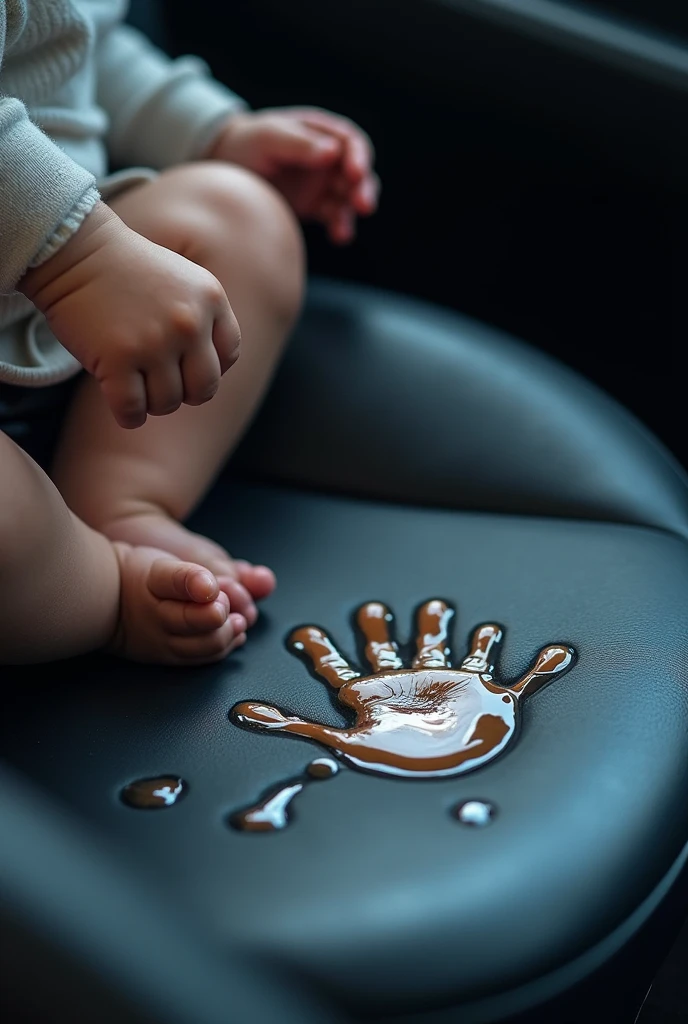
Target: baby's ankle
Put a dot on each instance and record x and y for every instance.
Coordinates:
(132, 509)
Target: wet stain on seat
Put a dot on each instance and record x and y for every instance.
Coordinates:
(425, 720)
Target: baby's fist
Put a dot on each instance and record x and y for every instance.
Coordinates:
(153, 328)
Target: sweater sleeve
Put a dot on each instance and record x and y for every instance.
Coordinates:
(44, 196)
(162, 112)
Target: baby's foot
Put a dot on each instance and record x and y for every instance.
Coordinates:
(172, 612)
(242, 582)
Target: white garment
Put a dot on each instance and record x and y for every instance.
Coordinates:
(79, 89)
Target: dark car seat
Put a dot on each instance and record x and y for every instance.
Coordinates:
(408, 462)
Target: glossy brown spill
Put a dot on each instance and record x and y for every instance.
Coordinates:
(322, 768)
(425, 721)
(154, 794)
(272, 813)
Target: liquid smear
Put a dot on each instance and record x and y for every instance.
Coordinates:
(154, 794)
(272, 814)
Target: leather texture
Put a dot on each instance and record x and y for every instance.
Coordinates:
(374, 892)
(86, 936)
(390, 397)
(556, 515)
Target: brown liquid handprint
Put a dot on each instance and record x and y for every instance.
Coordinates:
(429, 720)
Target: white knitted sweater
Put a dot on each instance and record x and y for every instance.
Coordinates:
(79, 89)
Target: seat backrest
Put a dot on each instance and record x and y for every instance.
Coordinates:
(389, 397)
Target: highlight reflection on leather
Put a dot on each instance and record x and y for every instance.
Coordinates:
(425, 721)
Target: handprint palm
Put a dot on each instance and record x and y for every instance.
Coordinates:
(424, 721)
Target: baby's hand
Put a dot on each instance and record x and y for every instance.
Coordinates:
(320, 162)
(153, 328)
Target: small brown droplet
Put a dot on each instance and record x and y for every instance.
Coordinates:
(154, 794)
(322, 768)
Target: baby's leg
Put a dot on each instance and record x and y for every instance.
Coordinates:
(138, 485)
(66, 589)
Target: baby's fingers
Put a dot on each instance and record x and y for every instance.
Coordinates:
(164, 389)
(365, 197)
(126, 396)
(357, 157)
(342, 226)
(339, 219)
(358, 153)
(226, 336)
(201, 374)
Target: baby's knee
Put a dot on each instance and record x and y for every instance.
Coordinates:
(23, 512)
(236, 217)
(15, 504)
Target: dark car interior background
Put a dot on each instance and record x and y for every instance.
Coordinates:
(534, 161)
(534, 158)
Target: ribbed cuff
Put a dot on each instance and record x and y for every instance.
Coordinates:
(69, 226)
(40, 187)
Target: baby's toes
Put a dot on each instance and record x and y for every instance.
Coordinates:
(190, 618)
(239, 598)
(193, 612)
(212, 646)
(258, 580)
(170, 579)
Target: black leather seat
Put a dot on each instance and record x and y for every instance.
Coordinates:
(404, 454)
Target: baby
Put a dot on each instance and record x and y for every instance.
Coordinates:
(151, 279)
